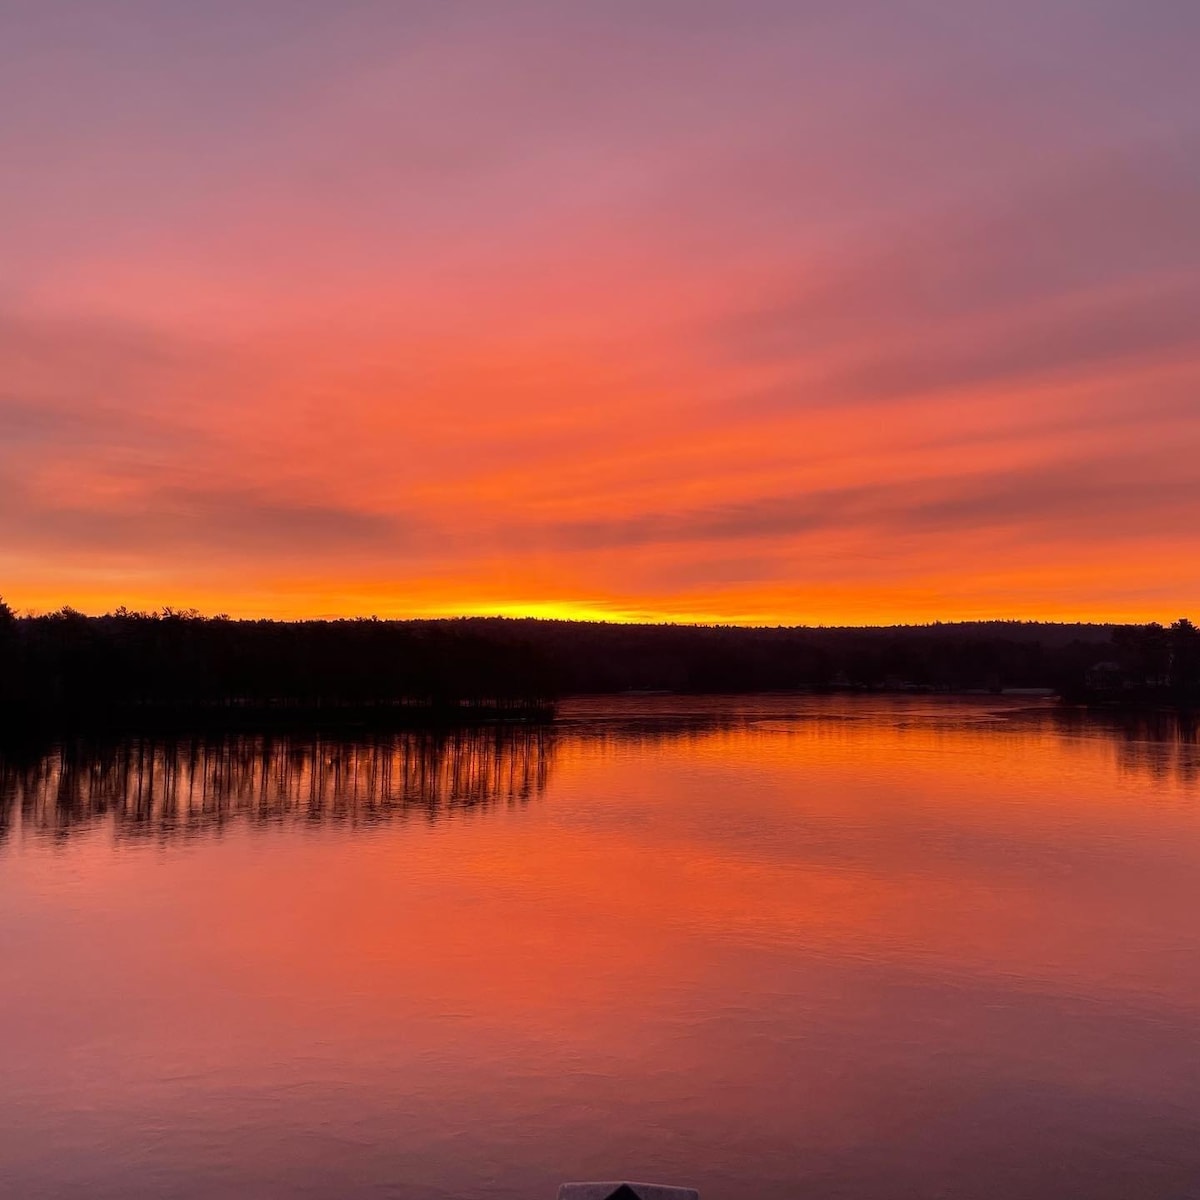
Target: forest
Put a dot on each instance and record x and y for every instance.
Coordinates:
(181, 667)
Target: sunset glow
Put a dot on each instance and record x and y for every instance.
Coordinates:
(759, 312)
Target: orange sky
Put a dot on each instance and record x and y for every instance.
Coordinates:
(702, 311)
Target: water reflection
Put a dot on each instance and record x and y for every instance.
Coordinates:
(772, 946)
(177, 787)
(182, 787)
(1162, 744)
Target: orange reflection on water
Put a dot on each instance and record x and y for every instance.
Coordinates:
(754, 946)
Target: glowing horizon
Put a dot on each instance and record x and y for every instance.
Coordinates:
(595, 612)
(742, 313)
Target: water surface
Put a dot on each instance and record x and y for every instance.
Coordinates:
(768, 947)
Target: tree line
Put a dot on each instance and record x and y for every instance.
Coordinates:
(1150, 662)
(173, 665)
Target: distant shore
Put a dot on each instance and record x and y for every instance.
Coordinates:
(184, 671)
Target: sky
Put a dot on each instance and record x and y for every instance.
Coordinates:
(766, 311)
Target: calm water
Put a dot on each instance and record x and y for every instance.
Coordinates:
(770, 948)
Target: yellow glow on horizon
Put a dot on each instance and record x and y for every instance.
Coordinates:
(849, 612)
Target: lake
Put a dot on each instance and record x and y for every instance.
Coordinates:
(769, 947)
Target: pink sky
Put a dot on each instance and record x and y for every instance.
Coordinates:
(753, 311)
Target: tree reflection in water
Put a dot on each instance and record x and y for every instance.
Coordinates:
(181, 787)
(1162, 743)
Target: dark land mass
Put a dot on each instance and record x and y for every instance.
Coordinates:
(182, 670)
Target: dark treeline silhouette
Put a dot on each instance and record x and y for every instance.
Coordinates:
(178, 787)
(599, 658)
(180, 669)
(1149, 663)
